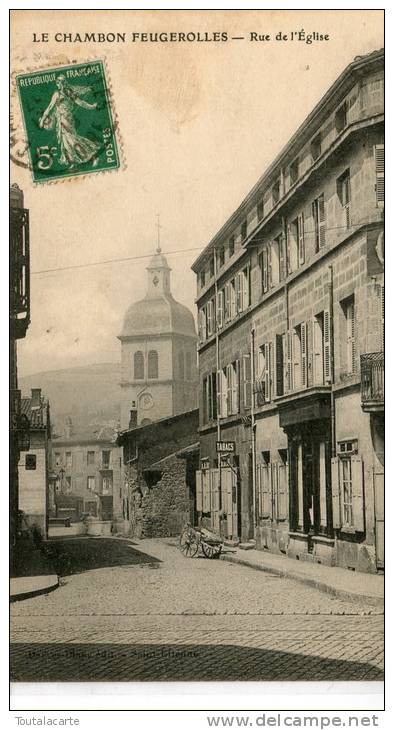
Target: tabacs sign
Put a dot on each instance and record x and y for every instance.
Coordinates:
(225, 447)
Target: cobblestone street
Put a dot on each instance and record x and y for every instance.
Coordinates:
(144, 612)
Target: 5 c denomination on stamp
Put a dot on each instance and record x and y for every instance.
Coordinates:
(68, 121)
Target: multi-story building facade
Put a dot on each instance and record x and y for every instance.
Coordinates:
(86, 466)
(34, 464)
(291, 306)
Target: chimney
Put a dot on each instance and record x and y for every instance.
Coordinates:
(36, 397)
(68, 428)
(133, 415)
(16, 196)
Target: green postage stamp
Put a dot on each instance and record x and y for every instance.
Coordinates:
(68, 121)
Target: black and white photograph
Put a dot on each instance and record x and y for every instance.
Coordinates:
(197, 346)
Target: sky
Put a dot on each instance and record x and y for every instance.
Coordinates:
(198, 123)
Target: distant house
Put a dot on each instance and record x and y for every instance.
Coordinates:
(86, 468)
(158, 494)
(34, 464)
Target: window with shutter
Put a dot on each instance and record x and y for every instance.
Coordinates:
(379, 170)
(301, 243)
(304, 361)
(219, 309)
(327, 346)
(289, 362)
(283, 499)
(198, 491)
(318, 349)
(335, 495)
(296, 357)
(279, 363)
(265, 501)
(247, 381)
(267, 372)
(358, 494)
(319, 218)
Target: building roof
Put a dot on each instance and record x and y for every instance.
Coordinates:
(159, 315)
(90, 435)
(38, 417)
(309, 126)
(152, 427)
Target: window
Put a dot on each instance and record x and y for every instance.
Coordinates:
(139, 366)
(316, 147)
(209, 398)
(105, 459)
(210, 317)
(280, 345)
(230, 300)
(231, 246)
(181, 365)
(343, 191)
(247, 381)
(220, 308)
(106, 485)
(295, 243)
(221, 387)
(350, 356)
(211, 267)
(67, 488)
(273, 265)
(202, 324)
(58, 458)
(294, 171)
(275, 192)
(188, 365)
(341, 118)
(265, 373)
(69, 458)
(91, 484)
(244, 230)
(202, 278)
(221, 256)
(260, 211)
(242, 290)
(300, 362)
(318, 349)
(90, 458)
(263, 261)
(345, 468)
(233, 387)
(379, 173)
(153, 364)
(319, 220)
(30, 462)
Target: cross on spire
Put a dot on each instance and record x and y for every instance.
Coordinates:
(158, 226)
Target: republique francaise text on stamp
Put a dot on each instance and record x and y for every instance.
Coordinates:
(68, 121)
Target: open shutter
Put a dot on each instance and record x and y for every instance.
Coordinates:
(264, 263)
(327, 346)
(215, 500)
(274, 490)
(269, 266)
(199, 491)
(219, 392)
(279, 364)
(309, 350)
(267, 373)
(301, 240)
(219, 310)
(282, 258)
(289, 368)
(238, 293)
(248, 288)
(288, 251)
(335, 493)
(358, 494)
(265, 494)
(282, 500)
(304, 362)
(322, 221)
(236, 387)
(317, 352)
(206, 491)
(247, 381)
(379, 169)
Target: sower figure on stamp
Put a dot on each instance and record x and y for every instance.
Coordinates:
(74, 149)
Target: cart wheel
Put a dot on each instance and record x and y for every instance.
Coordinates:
(188, 543)
(211, 551)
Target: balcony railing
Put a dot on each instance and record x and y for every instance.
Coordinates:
(372, 380)
(19, 272)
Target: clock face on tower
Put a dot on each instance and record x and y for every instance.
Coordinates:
(146, 401)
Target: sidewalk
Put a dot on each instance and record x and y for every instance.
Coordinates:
(31, 574)
(357, 587)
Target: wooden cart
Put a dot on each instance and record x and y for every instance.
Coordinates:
(195, 539)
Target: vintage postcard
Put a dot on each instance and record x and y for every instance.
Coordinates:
(197, 346)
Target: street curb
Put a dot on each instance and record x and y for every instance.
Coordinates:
(312, 582)
(37, 592)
